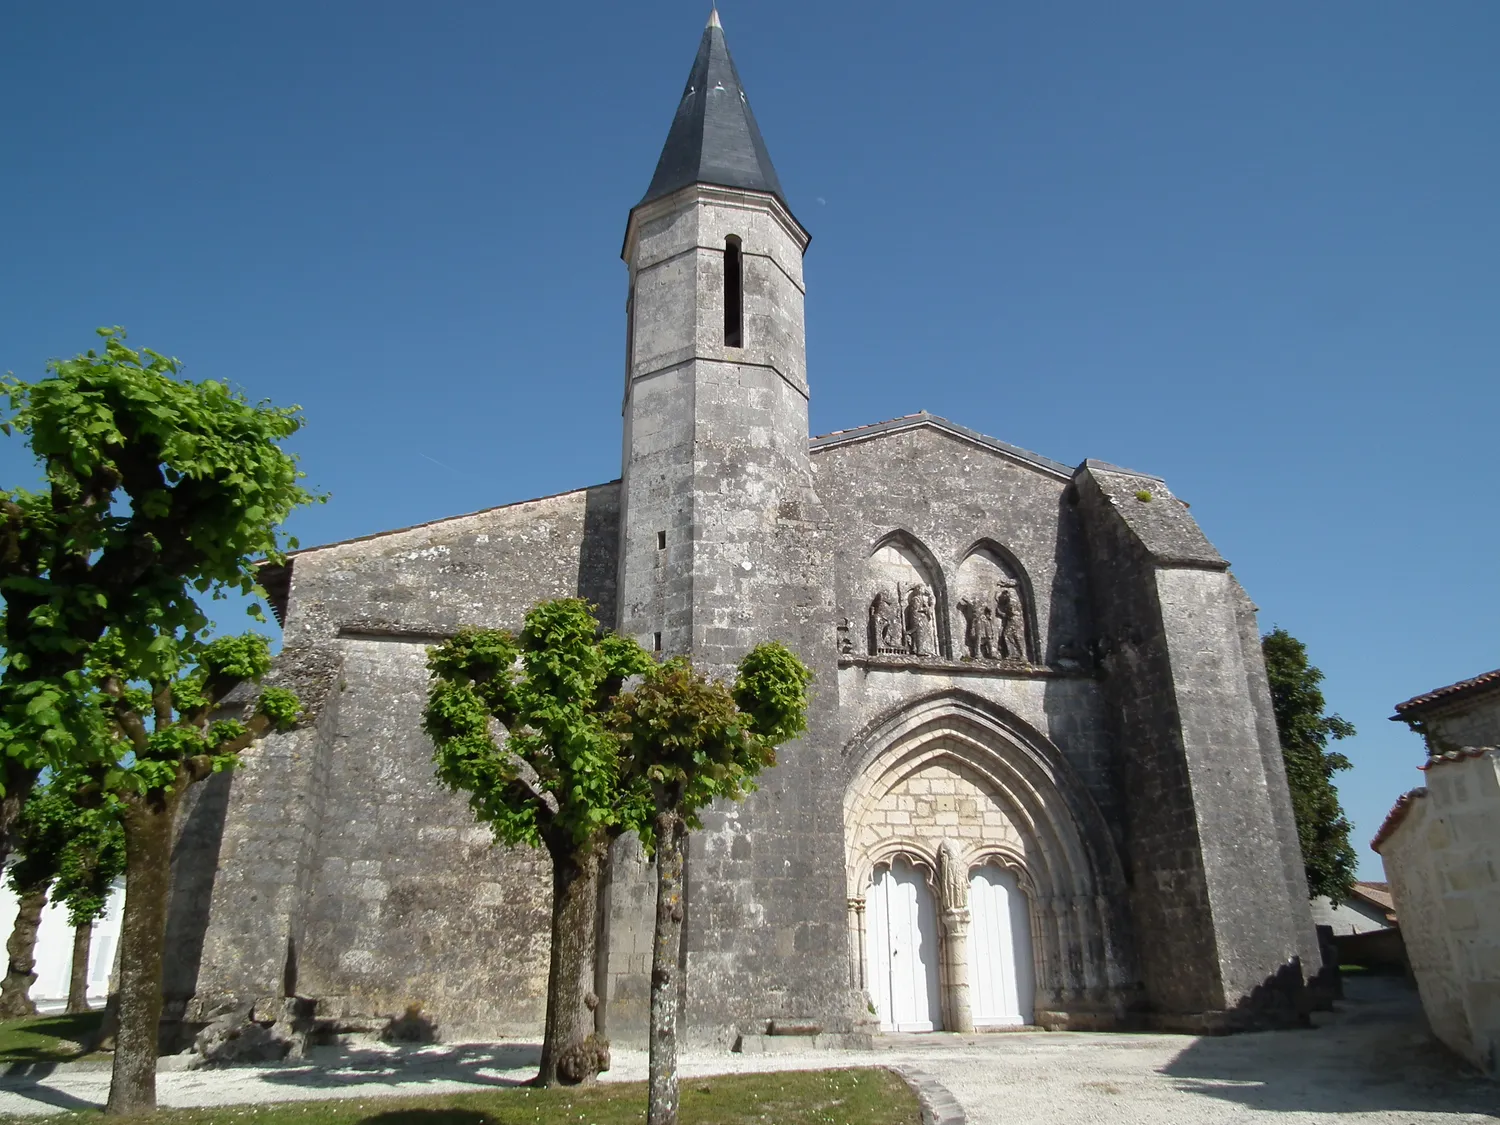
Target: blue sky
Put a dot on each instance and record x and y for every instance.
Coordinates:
(1251, 248)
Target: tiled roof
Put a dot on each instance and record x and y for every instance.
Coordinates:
(1461, 754)
(1394, 818)
(1463, 687)
(1377, 895)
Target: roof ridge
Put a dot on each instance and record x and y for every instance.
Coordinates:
(1484, 679)
(1397, 814)
(926, 418)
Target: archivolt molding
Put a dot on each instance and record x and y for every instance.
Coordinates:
(920, 854)
(997, 743)
(1064, 860)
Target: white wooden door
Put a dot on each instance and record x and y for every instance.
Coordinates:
(1001, 976)
(902, 949)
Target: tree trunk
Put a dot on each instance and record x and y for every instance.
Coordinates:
(20, 975)
(665, 955)
(78, 982)
(148, 875)
(19, 780)
(570, 1051)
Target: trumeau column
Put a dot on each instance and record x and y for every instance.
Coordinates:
(954, 885)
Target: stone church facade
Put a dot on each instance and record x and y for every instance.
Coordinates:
(1041, 781)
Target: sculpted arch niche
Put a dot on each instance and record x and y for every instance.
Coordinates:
(968, 791)
(906, 599)
(996, 606)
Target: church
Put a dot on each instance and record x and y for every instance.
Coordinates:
(1041, 782)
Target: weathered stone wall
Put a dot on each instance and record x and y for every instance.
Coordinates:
(1217, 926)
(723, 547)
(1441, 858)
(344, 871)
(943, 498)
(1349, 917)
(1472, 720)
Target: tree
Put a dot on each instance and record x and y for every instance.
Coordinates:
(520, 725)
(1322, 828)
(64, 847)
(44, 828)
(157, 490)
(91, 863)
(165, 708)
(693, 740)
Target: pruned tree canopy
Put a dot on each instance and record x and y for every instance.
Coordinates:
(157, 490)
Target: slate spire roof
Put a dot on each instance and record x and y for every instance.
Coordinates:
(714, 138)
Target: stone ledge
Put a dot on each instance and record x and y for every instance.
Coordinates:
(939, 1106)
(791, 1044)
(1009, 668)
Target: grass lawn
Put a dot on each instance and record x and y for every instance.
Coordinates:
(824, 1097)
(47, 1038)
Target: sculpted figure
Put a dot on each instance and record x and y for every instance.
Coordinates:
(988, 646)
(845, 631)
(971, 627)
(1012, 625)
(953, 879)
(919, 632)
(885, 624)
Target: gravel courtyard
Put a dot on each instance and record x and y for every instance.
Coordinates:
(1370, 1062)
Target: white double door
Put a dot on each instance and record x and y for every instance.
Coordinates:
(1001, 978)
(902, 952)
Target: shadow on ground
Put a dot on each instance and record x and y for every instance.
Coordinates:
(481, 1064)
(1375, 1053)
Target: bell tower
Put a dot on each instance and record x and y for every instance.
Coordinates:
(715, 435)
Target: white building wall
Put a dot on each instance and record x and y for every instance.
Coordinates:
(1351, 917)
(54, 948)
(1442, 859)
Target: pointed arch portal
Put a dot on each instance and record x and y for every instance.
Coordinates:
(1029, 921)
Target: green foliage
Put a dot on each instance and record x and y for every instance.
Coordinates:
(555, 773)
(156, 729)
(695, 740)
(1322, 828)
(537, 730)
(48, 821)
(157, 489)
(281, 706)
(74, 844)
(771, 687)
(1144, 496)
(90, 863)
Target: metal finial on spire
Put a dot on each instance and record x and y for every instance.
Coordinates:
(713, 18)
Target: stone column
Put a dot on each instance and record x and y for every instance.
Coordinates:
(953, 883)
(857, 942)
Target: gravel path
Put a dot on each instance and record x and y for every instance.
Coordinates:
(1371, 1063)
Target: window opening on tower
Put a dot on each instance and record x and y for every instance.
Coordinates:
(734, 294)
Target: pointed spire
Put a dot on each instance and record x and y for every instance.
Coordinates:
(714, 138)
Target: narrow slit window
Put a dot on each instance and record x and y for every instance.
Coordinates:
(734, 294)
(661, 540)
(656, 642)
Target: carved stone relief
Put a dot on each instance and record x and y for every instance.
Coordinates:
(904, 623)
(903, 614)
(953, 877)
(993, 604)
